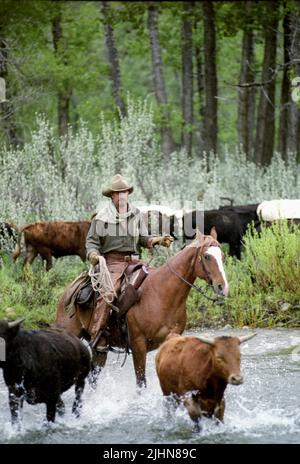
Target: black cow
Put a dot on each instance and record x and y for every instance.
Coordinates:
(8, 234)
(230, 222)
(40, 365)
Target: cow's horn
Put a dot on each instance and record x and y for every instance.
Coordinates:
(247, 337)
(13, 324)
(209, 341)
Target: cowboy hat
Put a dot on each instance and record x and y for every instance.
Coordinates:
(118, 184)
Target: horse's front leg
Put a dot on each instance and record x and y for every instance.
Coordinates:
(139, 352)
(99, 361)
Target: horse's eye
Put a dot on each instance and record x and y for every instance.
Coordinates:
(206, 257)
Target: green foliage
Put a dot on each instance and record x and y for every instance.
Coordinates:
(34, 294)
(52, 179)
(264, 285)
(37, 73)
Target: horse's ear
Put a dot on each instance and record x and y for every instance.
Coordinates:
(213, 233)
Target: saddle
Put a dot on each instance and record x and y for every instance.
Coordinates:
(130, 293)
(85, 295)
(135, 274)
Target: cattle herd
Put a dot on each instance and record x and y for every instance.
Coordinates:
(194, 370)
(64, 238)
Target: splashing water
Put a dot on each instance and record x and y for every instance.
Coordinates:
(265, 409)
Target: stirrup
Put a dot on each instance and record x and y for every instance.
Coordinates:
(102, 349)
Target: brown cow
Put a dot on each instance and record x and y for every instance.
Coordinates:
(197, 371)
(53, 238)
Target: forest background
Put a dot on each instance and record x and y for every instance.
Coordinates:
(191, 101)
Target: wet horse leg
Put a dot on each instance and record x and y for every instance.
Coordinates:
(139, 352)
(99, 361)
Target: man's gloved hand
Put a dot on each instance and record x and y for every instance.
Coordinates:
(94, 258)
(165, 241)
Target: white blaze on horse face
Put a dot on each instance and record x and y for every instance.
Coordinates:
(217, 254)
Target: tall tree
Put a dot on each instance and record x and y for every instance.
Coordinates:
(285, 89)
(7, 108)
(246, 94)
(168, 144)
(65, 91)
(264, 142)
(113, 57)
(187, 76)
(210, 125)
(199, 74)
(294, 116)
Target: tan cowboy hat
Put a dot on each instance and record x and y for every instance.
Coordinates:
(118, 184)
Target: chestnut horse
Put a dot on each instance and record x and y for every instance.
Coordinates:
(162, 307)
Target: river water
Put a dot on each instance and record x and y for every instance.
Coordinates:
(265, 409)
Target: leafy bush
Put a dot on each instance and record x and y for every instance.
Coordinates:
(264, 285)
(52, 179)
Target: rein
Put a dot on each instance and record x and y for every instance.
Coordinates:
(199, 290)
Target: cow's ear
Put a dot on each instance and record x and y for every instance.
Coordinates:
(213, 233)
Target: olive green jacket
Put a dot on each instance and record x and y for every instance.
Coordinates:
(115, 235)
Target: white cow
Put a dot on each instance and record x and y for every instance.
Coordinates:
(278, 209)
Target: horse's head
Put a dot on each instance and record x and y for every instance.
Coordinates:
(209, 261)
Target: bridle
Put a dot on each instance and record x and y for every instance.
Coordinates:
(198, 255)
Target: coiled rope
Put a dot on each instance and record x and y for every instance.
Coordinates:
(101, 281)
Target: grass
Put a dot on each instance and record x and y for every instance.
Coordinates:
(264, 285)
(36, 294)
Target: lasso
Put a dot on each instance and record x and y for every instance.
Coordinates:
(101, 281)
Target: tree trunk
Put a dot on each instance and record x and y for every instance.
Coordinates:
(187, 77)
(7, 108)
(264, 143)
(63, 96)
(200, 90)
(158, 79)
(294, 116)
(113, 58)
(210, 126)
(285, 90)
(198, 51)
(246, 95)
